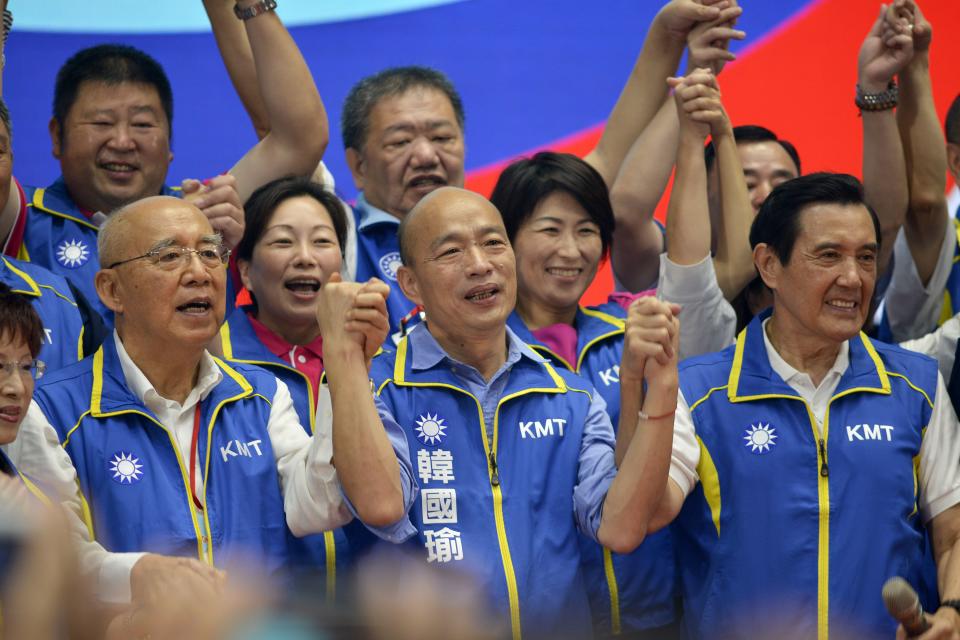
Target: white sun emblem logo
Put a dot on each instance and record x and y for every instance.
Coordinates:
(430, 429)
(389, 264)
(72, 253)
(125, 468)
(760, 437)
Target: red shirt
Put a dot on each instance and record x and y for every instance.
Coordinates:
(307, 359)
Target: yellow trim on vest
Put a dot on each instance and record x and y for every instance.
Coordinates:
(513, 594)
(914, 387)
(34, 288)
(37, 203)
(330, 546)
(83, 329)
(208, 548)
(34, 489)
(22, 253)
(710, 482)
(57, 293)
(606, 317)
(614, 591)
(95, 398)
(227, 345)
(552, 354)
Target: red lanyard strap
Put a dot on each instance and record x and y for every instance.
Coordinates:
(193, 458)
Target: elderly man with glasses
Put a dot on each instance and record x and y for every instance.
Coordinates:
(164, 450)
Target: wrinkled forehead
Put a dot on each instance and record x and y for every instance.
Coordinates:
(462, 218)
(841, 225)
(181, 222)
(416, 106)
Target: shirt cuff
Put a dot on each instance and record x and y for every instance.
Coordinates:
(113, 581)
(681, 283)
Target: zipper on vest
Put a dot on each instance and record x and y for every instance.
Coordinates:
(824, 469)
(494, 476)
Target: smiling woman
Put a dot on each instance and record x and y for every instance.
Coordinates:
(293, 241)
(557, 212)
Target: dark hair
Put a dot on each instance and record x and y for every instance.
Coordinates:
(527, 182)
(259, 209)
(365, 95)
(749, 134)
(951, 125)
(112, 64)
(778, 222)
(18, 319)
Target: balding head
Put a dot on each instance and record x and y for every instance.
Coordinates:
(429, 208)
(121, 231)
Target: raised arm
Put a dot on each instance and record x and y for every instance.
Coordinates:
(645, 171)
(645, 91)
(644, 441)
(238, 59)
(363, 455)
(924, 151)
(299, 131)
(884, 52)
(634, 197)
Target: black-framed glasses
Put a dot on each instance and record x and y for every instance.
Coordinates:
(27, 369)
(175, 257)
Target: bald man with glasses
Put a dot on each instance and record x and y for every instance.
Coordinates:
(178, 463)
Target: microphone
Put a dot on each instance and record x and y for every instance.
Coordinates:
(904, 606)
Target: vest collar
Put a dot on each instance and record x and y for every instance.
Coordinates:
(593, 326)
(55, 200)
(17, 280)
(752, 377)
(110, 393)
(538, 373)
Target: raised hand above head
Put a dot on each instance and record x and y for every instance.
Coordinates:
(698, 104)
(708, 43)
(886, 50)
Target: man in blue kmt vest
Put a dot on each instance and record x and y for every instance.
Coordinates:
(513, 456)
(111, 131)
(808, 458)
(173, 452)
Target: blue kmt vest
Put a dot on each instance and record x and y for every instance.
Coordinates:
(135, 483)
(501, 508)
(627, 592)
(378, 256)
(781, 532)
(53, 301)
(329, 550)
(60, 238)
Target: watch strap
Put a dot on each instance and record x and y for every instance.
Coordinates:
(254, 10)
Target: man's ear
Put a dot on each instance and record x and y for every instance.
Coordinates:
(108, 289)
(55, 135)
(408, 284)
(768, 264)
(358, 167)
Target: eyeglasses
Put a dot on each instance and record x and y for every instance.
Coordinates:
(30, 369)
(177, 257)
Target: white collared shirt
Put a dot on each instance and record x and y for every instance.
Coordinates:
(313, 501)
(939, 476)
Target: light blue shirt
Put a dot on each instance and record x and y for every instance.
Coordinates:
(596, 462)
